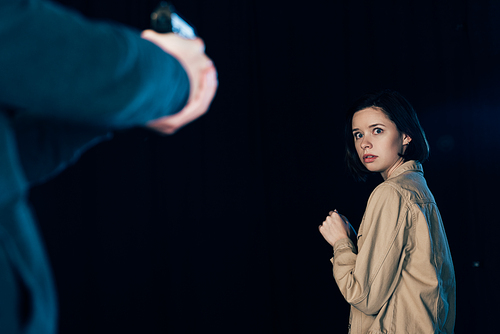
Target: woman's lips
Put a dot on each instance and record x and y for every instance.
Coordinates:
(369, 158)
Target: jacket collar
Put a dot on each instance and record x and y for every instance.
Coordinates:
(411, 165)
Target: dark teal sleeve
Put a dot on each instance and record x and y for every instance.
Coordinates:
(58, 65)
(69, 81)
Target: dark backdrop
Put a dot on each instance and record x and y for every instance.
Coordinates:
(215, 228)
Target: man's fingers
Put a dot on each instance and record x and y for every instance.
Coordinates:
(207, 90)
(201, 43)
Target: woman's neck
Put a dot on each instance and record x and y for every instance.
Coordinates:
(387, 173)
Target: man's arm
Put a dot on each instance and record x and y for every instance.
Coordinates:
(68, 81)
(56, 64)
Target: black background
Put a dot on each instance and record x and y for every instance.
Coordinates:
(215, 228)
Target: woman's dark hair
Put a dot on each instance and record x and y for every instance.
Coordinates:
(398, 110)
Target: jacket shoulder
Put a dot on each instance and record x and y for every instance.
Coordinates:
(411, 186)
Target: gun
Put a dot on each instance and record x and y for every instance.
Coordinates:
(165, 19)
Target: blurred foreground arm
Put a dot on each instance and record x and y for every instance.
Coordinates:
(66, 81)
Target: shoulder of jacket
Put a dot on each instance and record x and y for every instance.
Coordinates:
(390, 193)
(388, 188)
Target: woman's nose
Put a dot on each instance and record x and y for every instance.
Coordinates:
(365, 143)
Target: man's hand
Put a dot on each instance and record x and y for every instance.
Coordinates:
(201, 73)
(336, 227)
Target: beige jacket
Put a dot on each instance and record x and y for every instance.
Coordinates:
(402, 279)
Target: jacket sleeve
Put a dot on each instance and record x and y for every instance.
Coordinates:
(56, 64)
(68, 81)
(368, 279)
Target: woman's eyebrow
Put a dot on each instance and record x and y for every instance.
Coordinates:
(370, 126)
(375, 125)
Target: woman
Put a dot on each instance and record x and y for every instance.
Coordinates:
(400, 279)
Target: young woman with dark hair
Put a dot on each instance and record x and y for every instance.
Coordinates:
(400, 277)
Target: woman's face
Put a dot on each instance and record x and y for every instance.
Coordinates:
(378, 141)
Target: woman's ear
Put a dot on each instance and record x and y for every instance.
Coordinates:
(406, 139)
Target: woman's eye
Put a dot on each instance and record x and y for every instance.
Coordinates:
(378, 131)
(357, 135)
